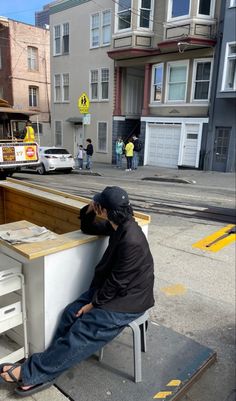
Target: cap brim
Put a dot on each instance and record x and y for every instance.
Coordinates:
(97, 198)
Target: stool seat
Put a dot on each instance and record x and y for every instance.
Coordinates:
(138, 328)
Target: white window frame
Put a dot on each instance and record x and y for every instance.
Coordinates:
(32, 56)
(91, 30)
(64, 34)
(104, 25)
(99, 85)
(61, 51)
(61, 122)
(64, 100)
(212, 10)
(152, 100)
(30, 89)
(232, 3)
(100, 28)
(223, 88)
(169, 12)
(150, 18)
(54, 86)
(176, 63)
(54, 40)
(195, 63)
(117, 30)
(106, 150)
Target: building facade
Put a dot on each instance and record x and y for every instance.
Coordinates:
(221, 139)
(148, 69)
(81, 35)
(163, 53)
(25, 72)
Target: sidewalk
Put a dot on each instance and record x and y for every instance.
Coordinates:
(184, 176)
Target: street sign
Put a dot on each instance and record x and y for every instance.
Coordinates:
(87, 119)
(83, 103)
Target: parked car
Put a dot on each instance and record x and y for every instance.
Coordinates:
(53, 158)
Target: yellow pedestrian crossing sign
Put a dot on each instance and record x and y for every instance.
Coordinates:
(83, 103)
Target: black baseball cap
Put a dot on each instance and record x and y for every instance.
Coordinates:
(112, 198)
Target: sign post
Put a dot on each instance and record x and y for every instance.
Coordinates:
(83, 106)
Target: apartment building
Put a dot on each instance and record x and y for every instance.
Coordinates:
(221, 139)
(81, 35)
(147, 68)
(163, 52)
(25, 72)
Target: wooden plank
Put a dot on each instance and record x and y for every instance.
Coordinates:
(2, 215)
(21, 185)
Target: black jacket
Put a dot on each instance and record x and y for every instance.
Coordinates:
(124, 277)
(89, 149)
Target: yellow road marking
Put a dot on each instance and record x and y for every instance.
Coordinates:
(174, 383)
(202, 244)
(176, 289)
(162, 394)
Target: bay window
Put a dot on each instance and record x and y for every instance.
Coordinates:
(177, 81)
(229, 74)
(157, 83)
(201, 79)
(123, 12)
(145, 14)
(179, 8)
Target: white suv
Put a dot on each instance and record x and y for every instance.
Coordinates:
(52, 158)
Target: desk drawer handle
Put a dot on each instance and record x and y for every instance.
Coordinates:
(9, 310)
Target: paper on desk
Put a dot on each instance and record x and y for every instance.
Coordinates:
(28, 234)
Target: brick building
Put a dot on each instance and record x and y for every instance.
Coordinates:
(25, 71)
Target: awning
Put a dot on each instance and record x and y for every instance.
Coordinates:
(75, 120)
(17, 111)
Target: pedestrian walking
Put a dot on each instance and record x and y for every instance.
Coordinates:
(89, 154)
(120, 292)
(137, 148)
(119, 152)
(129, 152)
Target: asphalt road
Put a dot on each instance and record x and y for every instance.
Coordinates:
(195, 289)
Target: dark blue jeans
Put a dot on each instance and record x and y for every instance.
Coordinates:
(75, 340)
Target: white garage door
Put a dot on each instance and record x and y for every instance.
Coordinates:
(163, 145)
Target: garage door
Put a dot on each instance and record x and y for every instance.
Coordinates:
(163, 145)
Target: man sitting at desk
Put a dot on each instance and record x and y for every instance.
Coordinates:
(121, 291)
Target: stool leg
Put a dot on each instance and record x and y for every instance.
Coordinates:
(100, 355)
(143, 337)
(137, 353)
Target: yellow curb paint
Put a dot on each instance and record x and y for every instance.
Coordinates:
(173, 290)
(202, 244)
(162, 394)
(174, 383)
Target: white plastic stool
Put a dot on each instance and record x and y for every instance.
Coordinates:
(138, 327)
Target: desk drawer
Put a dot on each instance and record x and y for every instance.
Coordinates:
(10, 305)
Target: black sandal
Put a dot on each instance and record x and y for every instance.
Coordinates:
(10, 373)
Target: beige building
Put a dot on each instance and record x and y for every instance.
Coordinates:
(25, 72)
(81, 35)
(163, 54)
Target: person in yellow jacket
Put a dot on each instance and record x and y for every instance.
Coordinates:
(29, 133)
(129, 152)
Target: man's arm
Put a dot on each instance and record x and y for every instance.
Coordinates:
(123, 273)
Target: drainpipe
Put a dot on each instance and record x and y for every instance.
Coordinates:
(146, 92)
(118, 77)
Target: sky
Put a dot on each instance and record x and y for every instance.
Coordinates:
(21, 10)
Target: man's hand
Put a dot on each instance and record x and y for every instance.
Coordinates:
(95, 207)
(84, 309)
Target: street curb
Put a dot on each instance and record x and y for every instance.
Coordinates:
(166, 179)
(87, 173)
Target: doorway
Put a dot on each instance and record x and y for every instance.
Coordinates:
(221, 148)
